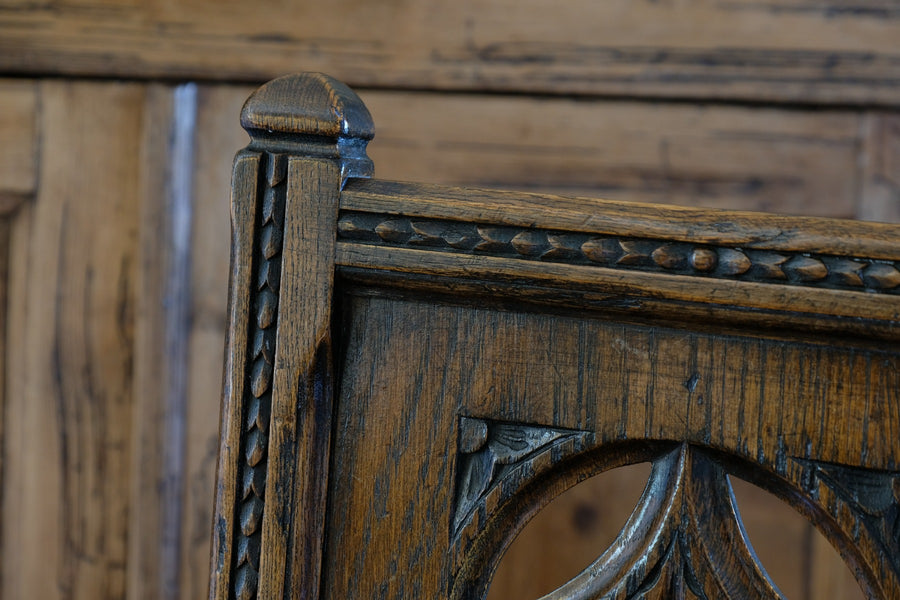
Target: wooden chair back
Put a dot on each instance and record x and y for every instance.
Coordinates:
(413, 371)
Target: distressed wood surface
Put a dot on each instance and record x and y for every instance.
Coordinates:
(580, 524)
(67, 439)
(400, 152)
(39, 121)
(229, 467)
(543, 212)
(774, 271)
(277, 402)
(804, 51)
(297, 476)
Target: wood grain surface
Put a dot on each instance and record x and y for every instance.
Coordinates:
(68, 428)
(760, 158)
(494, 349)
(217, 133)
(836, 163)
(106, 183)
(880, 189)
(803, 51)
(18, 143)
(625, 383)
(162, 340)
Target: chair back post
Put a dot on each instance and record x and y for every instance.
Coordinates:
(308, 136)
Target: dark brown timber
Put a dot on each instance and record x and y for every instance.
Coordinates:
(414, 371)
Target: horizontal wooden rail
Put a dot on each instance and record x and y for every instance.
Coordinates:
(779, 271)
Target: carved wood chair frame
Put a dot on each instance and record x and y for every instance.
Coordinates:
(705, 342)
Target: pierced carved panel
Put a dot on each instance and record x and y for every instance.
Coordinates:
(684, 538)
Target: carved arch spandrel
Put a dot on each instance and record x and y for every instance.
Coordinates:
(685, 538)
(863, 510)
(495, 455)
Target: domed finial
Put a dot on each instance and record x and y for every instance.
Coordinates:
(311, 114)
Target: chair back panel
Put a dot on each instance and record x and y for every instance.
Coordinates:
(415, 371)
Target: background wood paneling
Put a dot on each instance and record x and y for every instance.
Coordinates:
(880, 193)
(18, 142)
(771, 159)
(67, 433)
(217, 133)
(114, 210)
(18, 169)
(800, 51)
(161, 340)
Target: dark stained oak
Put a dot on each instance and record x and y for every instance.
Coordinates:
(414, 371)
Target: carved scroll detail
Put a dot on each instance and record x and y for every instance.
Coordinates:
(258, 397)
(792, 268)
(491, 450)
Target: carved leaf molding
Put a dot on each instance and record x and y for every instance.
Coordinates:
(702, 260)
(258, 397)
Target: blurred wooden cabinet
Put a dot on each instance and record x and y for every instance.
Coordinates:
(117, 131)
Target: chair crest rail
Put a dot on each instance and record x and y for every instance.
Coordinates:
(785, 268)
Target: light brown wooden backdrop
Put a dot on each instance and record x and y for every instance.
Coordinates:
(118, 121)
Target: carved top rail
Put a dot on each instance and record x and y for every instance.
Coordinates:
(596, 334)
(781, 271)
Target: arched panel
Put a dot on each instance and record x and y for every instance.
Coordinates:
(684, 538)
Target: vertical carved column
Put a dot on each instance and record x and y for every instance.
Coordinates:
(308, 135)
